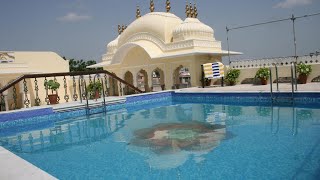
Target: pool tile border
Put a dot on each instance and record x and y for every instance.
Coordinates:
(47, 115)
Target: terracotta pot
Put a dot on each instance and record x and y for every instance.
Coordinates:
(264, 81)
(232, 83)
(303, 78)
(96, 95)
(53, 98)
(208, 82)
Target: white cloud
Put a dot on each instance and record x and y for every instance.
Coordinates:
(292, 3)
(73, 17)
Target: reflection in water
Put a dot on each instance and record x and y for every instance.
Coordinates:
(64, 135)
(164, 136)
(172, 143)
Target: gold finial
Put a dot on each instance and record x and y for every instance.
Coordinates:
(195, 11)
(138, 12)
(151, 6)
(191, 11)
(119, 29)
(187, 9)
(168, 7)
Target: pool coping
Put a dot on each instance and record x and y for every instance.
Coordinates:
(14, 167)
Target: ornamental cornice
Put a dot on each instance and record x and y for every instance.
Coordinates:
(165, 47)
(107, 57)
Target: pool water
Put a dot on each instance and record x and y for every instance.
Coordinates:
(177, 141)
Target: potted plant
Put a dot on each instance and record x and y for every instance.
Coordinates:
(94, 89)
(232, 76)
(263, 74)
(53, 86)
(304, 70)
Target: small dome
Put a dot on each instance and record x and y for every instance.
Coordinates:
(159, 24)
(192, 28)
(112, 46)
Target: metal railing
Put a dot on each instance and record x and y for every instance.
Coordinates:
(110, 85)
(294, 86)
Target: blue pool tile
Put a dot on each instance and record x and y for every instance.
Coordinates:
(26, 113)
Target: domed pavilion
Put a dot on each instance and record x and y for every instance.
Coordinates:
(161, 51)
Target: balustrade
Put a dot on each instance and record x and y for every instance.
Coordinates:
(32, 93)
(267, 62)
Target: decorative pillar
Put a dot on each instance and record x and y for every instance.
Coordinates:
(151, 6)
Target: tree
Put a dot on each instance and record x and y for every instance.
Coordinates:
(80, 65)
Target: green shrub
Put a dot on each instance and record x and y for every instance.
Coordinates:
(304, 69)
(263, 73)
(94, 86)
(232, 75)
(52, 85)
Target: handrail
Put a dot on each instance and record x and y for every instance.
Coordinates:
(277, 76)
(81, 82)
(103, 95)
(271, 91)
(292, 80)
(17, 80)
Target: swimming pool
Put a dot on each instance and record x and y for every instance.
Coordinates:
(175, 139)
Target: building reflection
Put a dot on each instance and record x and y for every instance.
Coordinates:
(65, 135)
(166, 136)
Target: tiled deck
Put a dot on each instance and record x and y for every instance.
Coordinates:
(283, 87)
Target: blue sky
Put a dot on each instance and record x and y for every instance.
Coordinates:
(81, 28)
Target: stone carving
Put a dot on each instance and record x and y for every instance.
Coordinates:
(6, 57)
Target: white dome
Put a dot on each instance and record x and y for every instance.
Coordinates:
(112, 46)
(192, 28)
(158, 24)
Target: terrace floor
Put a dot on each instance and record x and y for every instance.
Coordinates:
(283, 87)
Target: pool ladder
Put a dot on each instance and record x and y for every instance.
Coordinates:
(83, 86)
(294, 86)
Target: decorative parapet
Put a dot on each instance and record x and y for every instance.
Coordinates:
(6, 57)
(279, 61)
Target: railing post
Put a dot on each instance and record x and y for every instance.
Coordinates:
(2, 103)
(26, 100)
(75, 95)
(37, 100)
(120, 89)
(46, 87)
(15, 97)
(65, 85)
(113, 87)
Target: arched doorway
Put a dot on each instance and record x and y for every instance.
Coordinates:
(142, 80)
(157, 80)
(181, 78)
(128, 77)
(113, 87)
